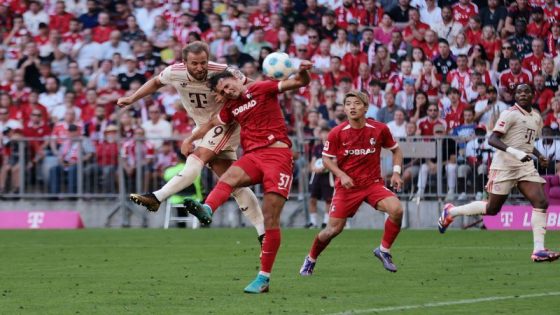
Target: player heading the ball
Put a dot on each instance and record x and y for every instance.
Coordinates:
(267, 159)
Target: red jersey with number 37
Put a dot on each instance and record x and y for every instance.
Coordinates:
(258, 113)
(358, 151)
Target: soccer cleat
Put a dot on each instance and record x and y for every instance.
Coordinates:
(307, 267)
(386, 259)
(445, 219)
(259, 285)
(149, 201)
(545, 255)
(200, 211)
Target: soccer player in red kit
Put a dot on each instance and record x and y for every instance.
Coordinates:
(267, 157)
(353, 154)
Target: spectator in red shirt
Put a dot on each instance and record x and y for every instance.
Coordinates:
(491, 43)
(60, 21)
(454, 113)
(473, 32)
(539, 27)
(464, 10)
(36, 127)
(510, 78)
(33, 104)
(543, 95)
(352, 60)
(261, 16)
(371, 15)
(533, 61)
(102, 172)
(414, 32)
(426, 124)
(345, 13)
(102, 32)
(430, 45)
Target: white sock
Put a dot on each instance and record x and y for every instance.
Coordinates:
(538, 223)
(185, 178)
(313, 218)
(473, 208)
(383, 249)
(250, 207)
(451, 170)
(266, 274)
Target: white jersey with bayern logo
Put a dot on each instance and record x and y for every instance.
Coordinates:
(519, 129)
(196, 97)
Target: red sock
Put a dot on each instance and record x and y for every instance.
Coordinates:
(390, 233)
(318, 247)
(270, 246)
(219, 195)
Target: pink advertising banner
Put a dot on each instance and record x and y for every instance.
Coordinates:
(519, 218)
(40, 220)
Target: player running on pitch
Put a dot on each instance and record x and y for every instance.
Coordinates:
(218, 146)
(353, 153)
(267, 155)
(514, 136)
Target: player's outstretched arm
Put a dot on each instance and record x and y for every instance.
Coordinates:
(146, 89)
(302, 77)
(496, 141)
(396, 181)
(198, 133)
(331, 165)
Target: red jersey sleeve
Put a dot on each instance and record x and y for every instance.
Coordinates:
(389, 142)
(225, 116)
(267, 87)
(330, 148)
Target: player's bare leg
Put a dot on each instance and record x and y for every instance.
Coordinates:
(490, 207)
(245, 198)
(272, 208)
(393, 207)
(334, 227)
(193, 167)
(535, 194)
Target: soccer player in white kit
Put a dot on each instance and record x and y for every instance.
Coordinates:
(514, 136)
(217, 148)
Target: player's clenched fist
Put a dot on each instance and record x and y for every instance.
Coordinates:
(305, 65)
(124, 101)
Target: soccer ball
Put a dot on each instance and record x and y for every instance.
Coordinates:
(278, 66)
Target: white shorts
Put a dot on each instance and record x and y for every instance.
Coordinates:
(222, 140)
(500, 182)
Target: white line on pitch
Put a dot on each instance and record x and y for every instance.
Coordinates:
(439, 304)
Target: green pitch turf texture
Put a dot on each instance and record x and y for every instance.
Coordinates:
(204, 272)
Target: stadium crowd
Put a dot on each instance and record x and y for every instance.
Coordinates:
(430, 68)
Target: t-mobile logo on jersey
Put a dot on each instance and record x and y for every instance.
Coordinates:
(244, 107)
(506, 217)
(35, 219)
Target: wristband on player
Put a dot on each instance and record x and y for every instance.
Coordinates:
(397, 169)
(518, 154)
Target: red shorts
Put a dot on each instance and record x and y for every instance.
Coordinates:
(273, 167)
(346, 202)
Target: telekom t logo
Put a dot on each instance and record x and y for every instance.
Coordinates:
(35, 219)
(506, 217)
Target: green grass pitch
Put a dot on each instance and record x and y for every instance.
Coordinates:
(204, 272)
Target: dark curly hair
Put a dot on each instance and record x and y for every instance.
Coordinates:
(213, 81)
